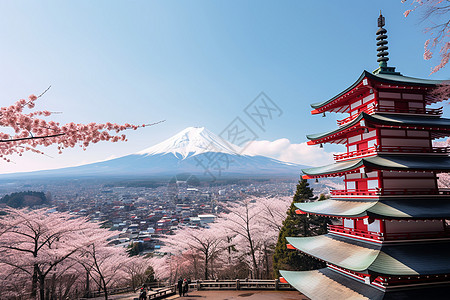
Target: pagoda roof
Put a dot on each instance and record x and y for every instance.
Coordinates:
(340, 286)
(419, 208)
(388, 120)
(406, 259)
(393, 162)
(396, 79)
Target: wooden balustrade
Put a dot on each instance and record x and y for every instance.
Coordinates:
(388, 109)
(390, 149)
(384, 192)
(410, 110)
(371, 192)
(240, 284)
(388, 236)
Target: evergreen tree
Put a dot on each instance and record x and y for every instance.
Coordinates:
(135, 248)
(298, 225)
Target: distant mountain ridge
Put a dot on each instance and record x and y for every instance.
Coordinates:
(194, 150)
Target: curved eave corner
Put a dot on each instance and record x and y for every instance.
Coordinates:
(317, 107)
(312, 283)
(382, 78)
(344, 255)
(336, 208)
(335, 169)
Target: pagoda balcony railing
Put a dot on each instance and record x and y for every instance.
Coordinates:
(389, 109)
(389, 192)
(410, 110)
(356, 232)
(390, 149)
(412, 149)
(371, 192)
(388, 236)
(368, 110)
(355, 154)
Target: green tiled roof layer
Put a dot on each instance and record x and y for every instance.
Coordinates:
(384, 78)
(390, 162)
(389, 119)
(327, 284)
(424, 258)
(391, 208)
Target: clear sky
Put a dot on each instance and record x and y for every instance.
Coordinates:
(195, 63)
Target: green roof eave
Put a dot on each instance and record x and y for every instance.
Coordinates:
(345, 255)
(322, 103)
(335, 168)
(316, 136)
(400, 259)
(384, 78)
(417, 208)
(389, 119)
(381, 162)
(328, 284)
(337, 207)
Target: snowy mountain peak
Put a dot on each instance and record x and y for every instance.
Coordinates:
(192, 141)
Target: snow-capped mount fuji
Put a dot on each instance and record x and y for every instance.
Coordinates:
(190, 142)
(195, 150)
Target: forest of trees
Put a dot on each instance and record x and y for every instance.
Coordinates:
(52, 255)
(25, 199)
(239, 244)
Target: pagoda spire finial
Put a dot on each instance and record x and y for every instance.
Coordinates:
(382, 42)
(382, 49)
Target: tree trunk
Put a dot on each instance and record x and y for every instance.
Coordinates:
(206, 265)
(41, 287)
(266, 256)
(34, 282)
(104, 287)
(87, 284)
(252, 251)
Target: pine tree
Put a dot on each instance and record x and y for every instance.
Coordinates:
(298, 225)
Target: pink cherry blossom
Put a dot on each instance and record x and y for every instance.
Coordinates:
(31, 131)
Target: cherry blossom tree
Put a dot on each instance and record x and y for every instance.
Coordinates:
(139, 270)
(105, 265)
(44, 253)
(254, 225)
(38, 242)
(201, 244)
(25, 129)
(243, 236)
(437, 12)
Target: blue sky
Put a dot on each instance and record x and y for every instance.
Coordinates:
(193, 63)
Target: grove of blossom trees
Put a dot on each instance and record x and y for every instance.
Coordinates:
(239, 244)
(51, 255)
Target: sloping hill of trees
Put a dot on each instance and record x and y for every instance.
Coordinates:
(25, 199)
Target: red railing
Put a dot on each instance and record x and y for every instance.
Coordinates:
(412, 149)
(384, 192)
(367, 110)
(410, 110)
(388, 236)
(394, 149)
(387, 109)
(354, 154)
(373, 192)
(356, 232)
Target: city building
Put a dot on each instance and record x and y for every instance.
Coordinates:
(392, 241)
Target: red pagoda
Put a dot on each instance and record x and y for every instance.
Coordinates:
(391, 240)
